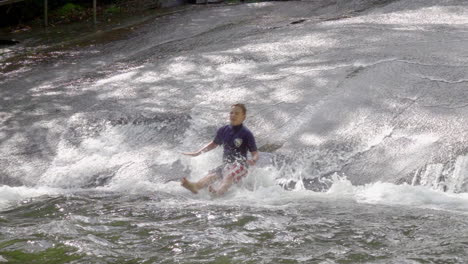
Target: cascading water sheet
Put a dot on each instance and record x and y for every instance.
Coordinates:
(359, 109)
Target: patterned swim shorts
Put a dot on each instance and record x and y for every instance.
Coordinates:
(235, 170)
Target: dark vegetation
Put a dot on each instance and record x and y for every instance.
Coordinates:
(31, 12)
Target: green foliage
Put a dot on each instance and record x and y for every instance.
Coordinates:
(113, 9)
(69, 9)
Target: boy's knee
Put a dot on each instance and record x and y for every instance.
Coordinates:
(230, 177)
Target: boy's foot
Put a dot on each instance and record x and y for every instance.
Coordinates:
(212, 190)
(189, 186)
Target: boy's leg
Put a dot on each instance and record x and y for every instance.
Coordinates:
(202, 183)
(207, 180)
(233, 174)
(224, 186)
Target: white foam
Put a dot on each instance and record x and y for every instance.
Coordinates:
(124, 153)
(260, 189)
(459, 180)
(401, 195)
(431, 176)
(10, 195)
(414, 13)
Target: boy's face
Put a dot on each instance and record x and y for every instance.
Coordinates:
(236, 116)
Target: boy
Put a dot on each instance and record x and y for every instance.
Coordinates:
(236, 139)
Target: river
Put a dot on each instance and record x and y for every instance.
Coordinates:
(359, 109)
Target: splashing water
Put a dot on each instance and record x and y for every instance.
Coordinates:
(358, 108)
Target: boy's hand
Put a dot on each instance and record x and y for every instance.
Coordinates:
(192, 154)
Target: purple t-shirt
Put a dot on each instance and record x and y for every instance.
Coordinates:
(236, 140)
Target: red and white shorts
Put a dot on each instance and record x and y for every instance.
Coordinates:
(235, 170)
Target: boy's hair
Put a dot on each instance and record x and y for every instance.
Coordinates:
(241, 106)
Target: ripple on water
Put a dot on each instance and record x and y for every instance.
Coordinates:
(111, 227)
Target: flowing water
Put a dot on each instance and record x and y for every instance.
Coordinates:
(359, 109)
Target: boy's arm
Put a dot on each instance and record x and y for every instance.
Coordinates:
(253, 149)
(206, 148)
(255, 157)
